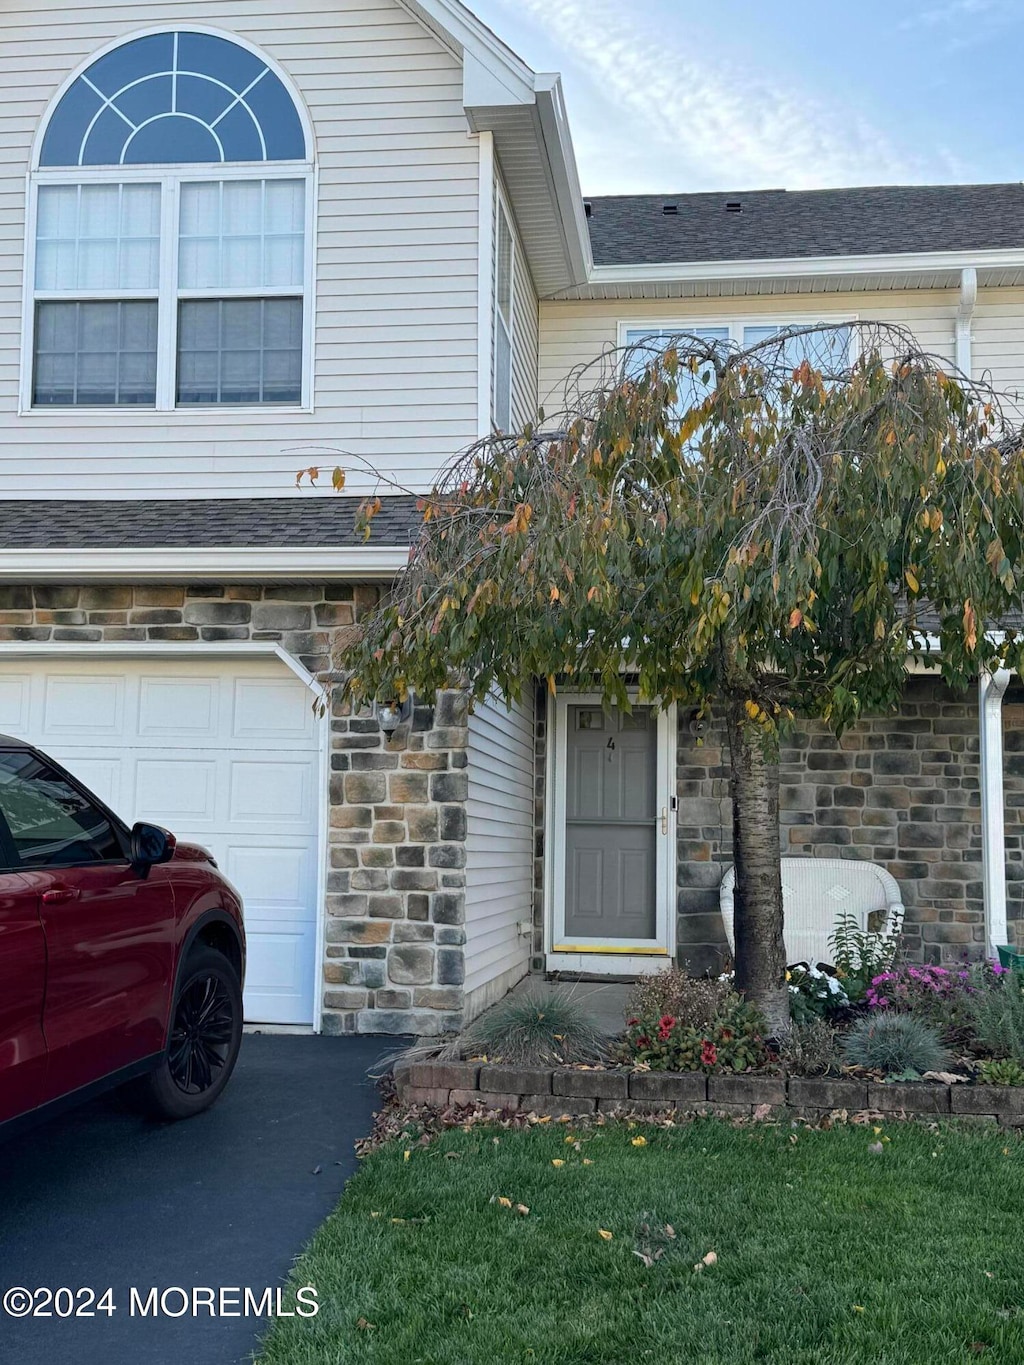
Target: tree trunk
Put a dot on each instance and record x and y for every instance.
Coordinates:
(760, 950)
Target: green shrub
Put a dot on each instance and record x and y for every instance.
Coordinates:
(997, 1013)
(809, 1048)
(535, 1030)
(896, 1044)
(1000, 1071)
(731, 1040)
(692, 1000)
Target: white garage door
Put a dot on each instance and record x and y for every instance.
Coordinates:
(225, 753)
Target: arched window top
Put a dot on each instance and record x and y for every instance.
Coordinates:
(170, 98)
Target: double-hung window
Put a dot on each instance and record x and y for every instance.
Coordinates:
(172, 228)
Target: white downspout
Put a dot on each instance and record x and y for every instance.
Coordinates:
(964, 315)
(991, 690)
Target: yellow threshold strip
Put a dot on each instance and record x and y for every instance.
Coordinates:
(628, 952)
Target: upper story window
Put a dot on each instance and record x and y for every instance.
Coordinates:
(172, 224)
(504, 294)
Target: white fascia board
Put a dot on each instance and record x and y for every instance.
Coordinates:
(236, 564)
(561, 155)
(807, 266)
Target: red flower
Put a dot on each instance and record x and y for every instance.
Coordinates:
(664, 1034)
(632, 1023)
(643, 1041)
(727, 1035)
(666, 1021)
(708, 1053)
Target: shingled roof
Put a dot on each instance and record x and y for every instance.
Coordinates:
(633, 229)
(314, 523)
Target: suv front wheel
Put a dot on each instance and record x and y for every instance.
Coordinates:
(205, 1035)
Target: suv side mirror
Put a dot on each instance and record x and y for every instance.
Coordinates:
(150, 845)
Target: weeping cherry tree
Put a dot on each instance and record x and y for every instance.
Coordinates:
(767, 533)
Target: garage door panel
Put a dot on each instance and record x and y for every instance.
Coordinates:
(279, 976)
(15, 700)
(271, 710)
(277, 793)
(224, 753)
(272, 880)
(175, 792)
(179, 708)
(82, 705)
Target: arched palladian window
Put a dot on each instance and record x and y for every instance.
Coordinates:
(172, 212)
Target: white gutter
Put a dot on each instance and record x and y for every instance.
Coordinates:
(964, 317)
(801, 267)
(991, 690)
(233, 563)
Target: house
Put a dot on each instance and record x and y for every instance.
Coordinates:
(240, 243)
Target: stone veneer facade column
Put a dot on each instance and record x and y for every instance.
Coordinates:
(394, 952)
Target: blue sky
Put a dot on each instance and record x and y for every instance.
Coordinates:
(677, 95)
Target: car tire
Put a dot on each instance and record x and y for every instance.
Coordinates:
(204, 1037)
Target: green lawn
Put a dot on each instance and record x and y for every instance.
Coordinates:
(826, 1251)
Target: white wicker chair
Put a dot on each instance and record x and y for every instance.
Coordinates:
(815, 892)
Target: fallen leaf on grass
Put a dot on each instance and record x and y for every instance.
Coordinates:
(406, 1154)
(761, 1112)
(505, 1203)
(858, 1308)
(522, 1209)
(587, 1161)
(639, 1141)
(710, 1258)
(875, 1148)
(365, 1326)
(557, 1161)
(604, 1234)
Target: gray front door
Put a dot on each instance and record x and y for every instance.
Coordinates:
(611, 822)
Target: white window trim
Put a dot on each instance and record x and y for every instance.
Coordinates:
(735, 324)
(170, 175)
(503, 211)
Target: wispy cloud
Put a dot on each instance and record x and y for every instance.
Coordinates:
(714, 124)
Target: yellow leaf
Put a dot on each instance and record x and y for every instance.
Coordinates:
(752, 709)
(604, 1234)
(912, 582)
(639, 1141)
(557, 1161)
(795, 617)
(555, 595)
(858, 1308)
(588, 1162)
(551, 684)
(505, 1203)
(338, 479)
(406, 1155)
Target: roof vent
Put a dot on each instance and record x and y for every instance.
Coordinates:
(588, 207)
(733, 206)
(670, 208)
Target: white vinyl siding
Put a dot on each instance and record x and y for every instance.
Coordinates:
(395, 378)
(499, 849)
(576, 333)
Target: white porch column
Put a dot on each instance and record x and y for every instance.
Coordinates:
(990, 706)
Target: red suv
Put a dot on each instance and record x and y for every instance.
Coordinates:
(122, 952)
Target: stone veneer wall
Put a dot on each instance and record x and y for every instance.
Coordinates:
(396, 880)
(901, 790)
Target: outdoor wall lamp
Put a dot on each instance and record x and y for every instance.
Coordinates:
(391, 714)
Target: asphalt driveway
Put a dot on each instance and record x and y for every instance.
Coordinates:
(103, 1198)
